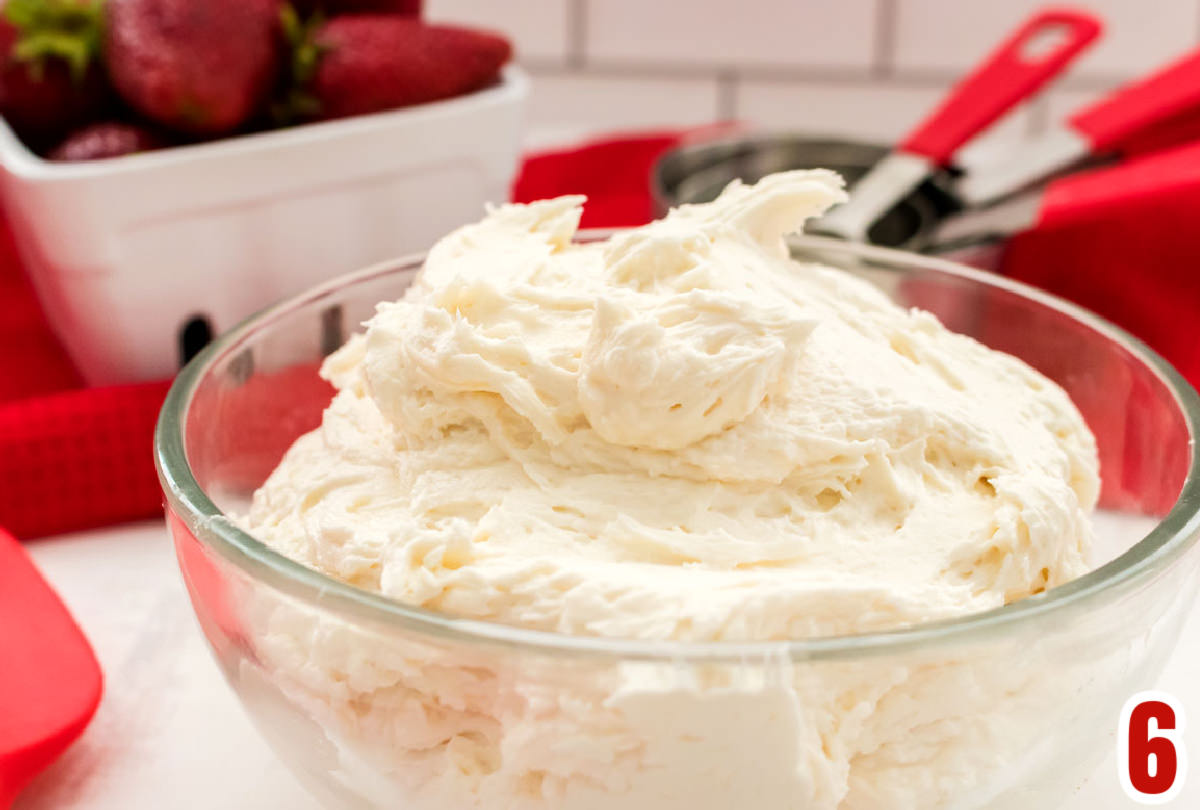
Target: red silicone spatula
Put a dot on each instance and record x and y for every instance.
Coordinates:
(49, 678)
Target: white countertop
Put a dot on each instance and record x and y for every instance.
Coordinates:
(170, 735)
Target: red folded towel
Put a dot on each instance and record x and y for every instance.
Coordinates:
(32, 362)
(77, 459)
(614, 173)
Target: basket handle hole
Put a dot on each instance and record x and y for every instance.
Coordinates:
(194, 335)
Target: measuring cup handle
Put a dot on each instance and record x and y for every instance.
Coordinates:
(1132, 110)
(1038, 51)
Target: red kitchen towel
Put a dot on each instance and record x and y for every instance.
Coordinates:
(614, 174)
(1136, 264)
(73, 458)
(77, 459)
(31, 362)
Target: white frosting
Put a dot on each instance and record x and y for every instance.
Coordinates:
(678, 433)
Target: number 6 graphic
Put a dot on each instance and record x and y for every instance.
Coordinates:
(1151, 759)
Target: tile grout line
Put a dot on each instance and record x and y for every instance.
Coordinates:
(727, 95)
(786, 74)
(577, 11)
(884, 45)
(1038, 119)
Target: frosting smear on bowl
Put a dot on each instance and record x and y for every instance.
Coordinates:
(680, 433)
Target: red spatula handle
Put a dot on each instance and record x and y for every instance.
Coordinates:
(1168, 179)
(1039, 50)
(1131, 110)
(50, 681)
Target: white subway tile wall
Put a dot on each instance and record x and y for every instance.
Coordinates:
(565, 106)
(870, 111)
(947, 35)
(1065, 102)
(721, 34)
(862, 68)
(538, 28)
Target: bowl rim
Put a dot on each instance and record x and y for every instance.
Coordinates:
(21, 162)
(1176, 532)
(741, 140)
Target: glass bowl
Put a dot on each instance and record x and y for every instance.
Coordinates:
(375, 704)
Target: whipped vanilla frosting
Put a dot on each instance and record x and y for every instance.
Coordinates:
(675, 433)
(680, 433)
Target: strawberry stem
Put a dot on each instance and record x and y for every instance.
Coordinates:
(296, 103)
(70, 30)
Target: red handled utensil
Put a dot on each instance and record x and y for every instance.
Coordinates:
(1165, 180)
(49, 680)
(1038, 51)
(1129, 113)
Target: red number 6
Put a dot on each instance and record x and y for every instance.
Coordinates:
(1151, 759)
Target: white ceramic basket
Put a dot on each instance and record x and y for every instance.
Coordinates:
(127, 254)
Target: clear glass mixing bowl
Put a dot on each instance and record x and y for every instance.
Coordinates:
(375, 704)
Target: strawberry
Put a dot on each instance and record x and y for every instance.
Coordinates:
(106, 140)
(365, 63)
(50, 77)
(196, 66)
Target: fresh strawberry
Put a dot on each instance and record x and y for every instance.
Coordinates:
(366, 63)
(411, 8)
(107, 140)
(196, 66)
(50, 78)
